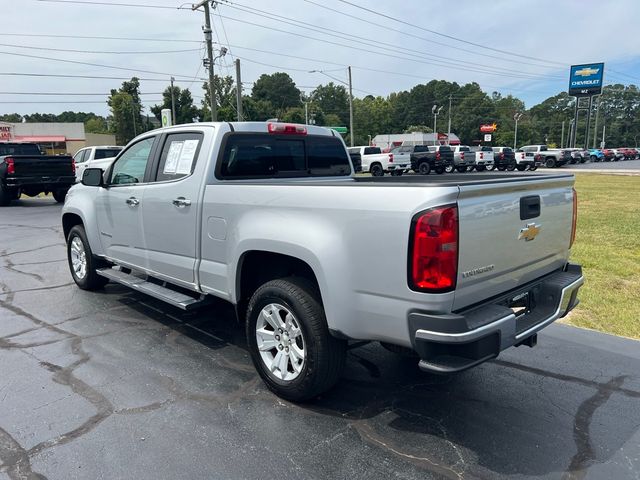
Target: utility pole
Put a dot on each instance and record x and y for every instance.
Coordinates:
(173, 104)
(305, 102)
(449, 127)
(602, 144)
(350, 107)
(595, 127)
(207, 36)
(516, 117)
(588, 127)
(435, 110)
(562, 136)
(238, 90)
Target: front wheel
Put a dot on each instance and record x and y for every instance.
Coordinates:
(60, 195)
(448, 168)
(490, 168)
(376, 170)
(82, 263)
(482, 168)
(521, 168)
(289, 341)
(424, 168)
(593, 158)
(511, 167)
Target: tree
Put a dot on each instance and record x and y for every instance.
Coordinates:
(126, 111)
(225, 100)
(332, 99)
(96, 125)
(278, 89)
(186, 111)
(418, 129)
(11, 118)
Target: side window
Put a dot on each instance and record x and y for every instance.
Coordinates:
(131, 165)
(80, 156)
(179, 155)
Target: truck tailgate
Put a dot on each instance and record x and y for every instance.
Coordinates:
(504, 242)
(51, 166)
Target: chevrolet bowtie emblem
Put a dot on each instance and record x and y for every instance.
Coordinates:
(529, 232)
(587, 72)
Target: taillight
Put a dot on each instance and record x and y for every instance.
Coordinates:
(438, 155)
(287, 128)
(433, 250)
(574, 220)
(73, 166)
(481, 156)
(461, 155)
(11, 167)
(501, 155)
(391, 158)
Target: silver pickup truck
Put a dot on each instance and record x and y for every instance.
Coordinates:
(270, 217)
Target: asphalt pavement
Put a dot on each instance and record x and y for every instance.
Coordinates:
(622, 167)
(115, 385)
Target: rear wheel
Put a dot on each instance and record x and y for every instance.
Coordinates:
(521, 168)
(424, 168)
(511, 167)
(449, 168)
(376, 170)
(461, 169)
(482, 168)
(439, 170)
(550, 162)
(60, 195)
(289, 341)
(593, 158)
(502, 169)
(82, 263)
(490, 168)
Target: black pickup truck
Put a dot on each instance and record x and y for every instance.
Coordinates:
(25, 170)
(426, 158)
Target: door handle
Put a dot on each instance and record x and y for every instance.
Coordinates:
(133, 202)
(181, 202)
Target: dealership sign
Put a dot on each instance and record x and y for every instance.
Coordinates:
(586, 80)
(488, 128)
(6, 132)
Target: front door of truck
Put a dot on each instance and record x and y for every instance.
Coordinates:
(118, 206)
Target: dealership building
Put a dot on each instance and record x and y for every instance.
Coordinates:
(392, 140)
(54, 138)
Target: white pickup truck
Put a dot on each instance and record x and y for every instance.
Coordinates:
(94, 157)
(270, 217)
(378, 163)
(484, 158)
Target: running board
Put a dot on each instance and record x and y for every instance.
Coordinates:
(168, 295)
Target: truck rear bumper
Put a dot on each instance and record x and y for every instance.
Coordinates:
(454, 342)
(43, 182)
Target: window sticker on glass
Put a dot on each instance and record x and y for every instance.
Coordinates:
(186, 157)
(173, 156)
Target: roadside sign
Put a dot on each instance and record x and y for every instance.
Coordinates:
(6, 131)
(339, 129)
(165, 115)
(586, 79)
(487, 137)
(488, 127)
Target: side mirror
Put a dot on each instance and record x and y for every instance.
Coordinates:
(92, 177)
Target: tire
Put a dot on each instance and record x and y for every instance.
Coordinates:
(502, 169)
(481, 168)
(521, 168)
(449, 168)
(5, 196)
(439, 170)
(461, 169)
(593, 158)
(532, 168)
(376, 170)
(323, 355)
(511, 167)
(424, 168)
(60, 195)
(490, 168)
(550, 162)
(77, 245)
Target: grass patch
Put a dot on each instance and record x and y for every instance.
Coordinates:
(608, 248)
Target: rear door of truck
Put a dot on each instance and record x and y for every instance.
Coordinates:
(511, 231)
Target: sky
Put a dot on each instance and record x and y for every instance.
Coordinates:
(517, 47)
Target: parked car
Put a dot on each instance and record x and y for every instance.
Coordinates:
(94, 157)
(313, 257)
(504, 158)
(378, 163)
(618, 154)
(527, 160)
(628, 153)
(596, 155)
(484, 158)
(424, 158)
(463, 159)
(551, 157)
(25, 170)
(578, 155)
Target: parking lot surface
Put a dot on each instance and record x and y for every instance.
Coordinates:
(620, 167)
(115, 385)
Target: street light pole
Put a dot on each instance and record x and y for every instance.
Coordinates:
(449, 128)
(516, 117)
(173, 104)
(350, 107)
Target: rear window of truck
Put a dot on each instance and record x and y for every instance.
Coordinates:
(106, 153)
(258, 155)
(19, 149)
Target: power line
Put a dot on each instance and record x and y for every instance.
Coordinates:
(451, 37)
(91, 64)
(100, 51)
(114, 4)
(69, 93)
(372, 42)
(92, 77)
(90, 37)
(70, 103)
